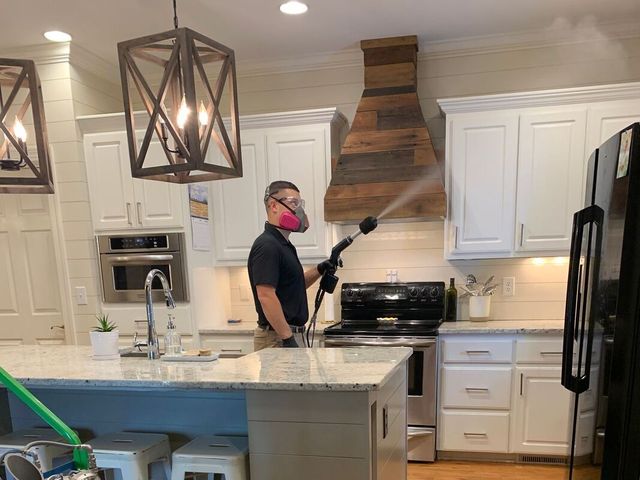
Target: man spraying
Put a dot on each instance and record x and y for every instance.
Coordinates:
(278, 281)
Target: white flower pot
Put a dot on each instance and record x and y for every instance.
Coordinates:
(479, 308)
(104, 344)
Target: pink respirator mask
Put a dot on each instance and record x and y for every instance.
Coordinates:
(293, 220)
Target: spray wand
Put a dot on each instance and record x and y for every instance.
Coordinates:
(329, 280)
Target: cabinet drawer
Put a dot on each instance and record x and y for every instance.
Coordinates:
(547, 350)
(474, 431)
(467, 387)
(466, 350)
(230, 347)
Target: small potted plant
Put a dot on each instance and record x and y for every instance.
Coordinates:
(104, 339)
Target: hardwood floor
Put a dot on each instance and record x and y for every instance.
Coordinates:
(450, 470)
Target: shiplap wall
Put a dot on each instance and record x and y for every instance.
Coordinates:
(68, 92)
(416, 249)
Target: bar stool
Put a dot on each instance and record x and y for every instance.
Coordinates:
(212, 454)
(132, 453)
(46, 453)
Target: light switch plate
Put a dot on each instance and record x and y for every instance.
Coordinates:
(81, 296)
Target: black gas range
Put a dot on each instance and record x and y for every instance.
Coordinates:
(414, 309)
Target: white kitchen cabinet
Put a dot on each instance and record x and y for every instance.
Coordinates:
(481, 153)
(604, 120)
(238, 207)
(293, 146)
(300, 156)
(551, 174)
(542, 412)
(502, 394)
(515, 166)
(120, 202)
(228, 344)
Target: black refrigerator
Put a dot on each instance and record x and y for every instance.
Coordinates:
(602, 320)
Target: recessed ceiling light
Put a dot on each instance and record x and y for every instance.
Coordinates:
(57, 36)
(293, 7)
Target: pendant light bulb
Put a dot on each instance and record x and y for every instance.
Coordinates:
(203, 116)
(19, 130)
(183, 114)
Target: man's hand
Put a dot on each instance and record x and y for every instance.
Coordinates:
(289, 342)
(325, 266)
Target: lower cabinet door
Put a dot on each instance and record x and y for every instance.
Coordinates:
(474, 431)
(542, 412)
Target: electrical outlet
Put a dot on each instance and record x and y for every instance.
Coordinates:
(81, 296)
(508, 286)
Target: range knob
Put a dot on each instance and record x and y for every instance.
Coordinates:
(413, 292)
(434, 292)
(349, 292)
(424, 291)
(360, 293)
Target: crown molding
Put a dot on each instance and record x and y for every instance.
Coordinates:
(515, 41)
(541, 98)
(114, 122)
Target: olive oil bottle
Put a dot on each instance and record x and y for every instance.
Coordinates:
(451, 302)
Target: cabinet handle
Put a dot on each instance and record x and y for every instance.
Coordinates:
(129, 213)
(138, 206)
(521, 383)
(476, 389)
(455, 237)
(471, 434)
(239, 350)
(521, 234)
(478, 352)
(550, 353)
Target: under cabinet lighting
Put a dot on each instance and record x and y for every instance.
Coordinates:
(293, 7)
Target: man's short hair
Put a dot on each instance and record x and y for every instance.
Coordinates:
(275, 187)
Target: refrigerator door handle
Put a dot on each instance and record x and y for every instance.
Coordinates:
(573, 325)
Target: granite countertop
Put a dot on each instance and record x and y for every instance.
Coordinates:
(319, 369)
(504, 326)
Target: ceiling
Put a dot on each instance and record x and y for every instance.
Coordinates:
(256, 29)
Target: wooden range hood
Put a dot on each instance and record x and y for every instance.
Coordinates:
(388, 149)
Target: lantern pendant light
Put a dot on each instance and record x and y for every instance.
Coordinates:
(22, 170)
(185, 85)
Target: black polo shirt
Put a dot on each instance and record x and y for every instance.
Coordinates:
(274, 261)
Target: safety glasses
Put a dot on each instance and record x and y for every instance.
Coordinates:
(292, 202)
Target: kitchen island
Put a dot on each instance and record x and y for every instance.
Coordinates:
(318, 413)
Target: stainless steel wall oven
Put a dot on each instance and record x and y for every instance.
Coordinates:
(125, 261)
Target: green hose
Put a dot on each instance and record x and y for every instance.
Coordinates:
(80, 457)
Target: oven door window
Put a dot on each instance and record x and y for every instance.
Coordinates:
(132, 277)
(416, 366)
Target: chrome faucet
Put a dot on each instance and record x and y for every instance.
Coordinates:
(153, 351)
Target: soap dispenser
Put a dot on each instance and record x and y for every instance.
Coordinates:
(172, 340)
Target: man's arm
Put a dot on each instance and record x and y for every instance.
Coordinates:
(311, 276)
(272, 309)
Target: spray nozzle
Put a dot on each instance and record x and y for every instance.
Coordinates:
(368, 224)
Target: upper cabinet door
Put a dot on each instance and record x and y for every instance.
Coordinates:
(482, 182)
(609, 118)
(551, 166)
(158, 204)
(109, 177)
(238, 207)
(299, 155)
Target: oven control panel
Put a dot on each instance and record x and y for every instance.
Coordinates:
(431, 293)
(140, 243)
